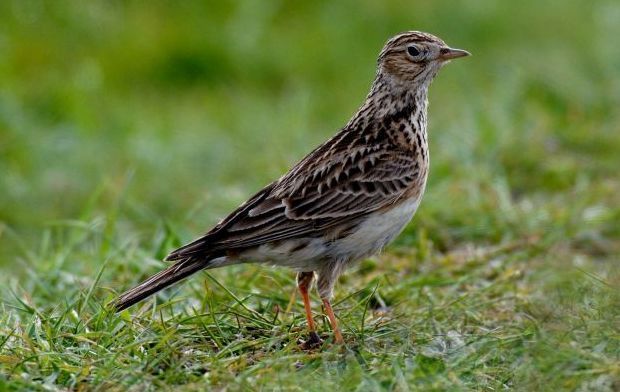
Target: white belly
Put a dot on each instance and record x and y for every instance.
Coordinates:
(375, 232)
(370, 236)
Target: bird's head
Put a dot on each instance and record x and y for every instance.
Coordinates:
(415, 57)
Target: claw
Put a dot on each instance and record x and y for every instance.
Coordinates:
(314, 341)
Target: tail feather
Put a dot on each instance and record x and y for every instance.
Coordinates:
(176, 272)
(189, 250)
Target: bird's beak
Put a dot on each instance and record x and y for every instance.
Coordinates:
(450, 53)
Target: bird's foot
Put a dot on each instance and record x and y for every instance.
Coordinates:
(314, 341)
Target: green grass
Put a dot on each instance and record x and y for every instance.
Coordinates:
(127, 129)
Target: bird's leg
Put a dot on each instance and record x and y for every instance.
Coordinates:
(328, 276)
(304, 283)
(332, 320)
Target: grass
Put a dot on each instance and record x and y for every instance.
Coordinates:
(127, 129)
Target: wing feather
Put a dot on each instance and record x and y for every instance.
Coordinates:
(342, 180)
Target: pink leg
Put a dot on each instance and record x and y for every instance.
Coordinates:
(333, 321)
(304, 282)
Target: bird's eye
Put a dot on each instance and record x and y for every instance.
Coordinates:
(413, 51)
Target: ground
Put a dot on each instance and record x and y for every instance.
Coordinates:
(128, 129)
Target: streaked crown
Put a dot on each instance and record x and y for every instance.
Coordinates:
(415, 56)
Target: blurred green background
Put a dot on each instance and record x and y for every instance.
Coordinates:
(129, 127)
(179, 110)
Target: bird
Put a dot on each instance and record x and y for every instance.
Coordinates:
(345, 201)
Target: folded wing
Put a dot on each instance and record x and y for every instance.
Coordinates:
(336, 183)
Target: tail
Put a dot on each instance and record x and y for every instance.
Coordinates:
(176, 272)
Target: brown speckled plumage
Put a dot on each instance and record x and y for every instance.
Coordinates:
(346, 199)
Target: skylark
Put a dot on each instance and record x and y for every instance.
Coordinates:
(345, 200)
